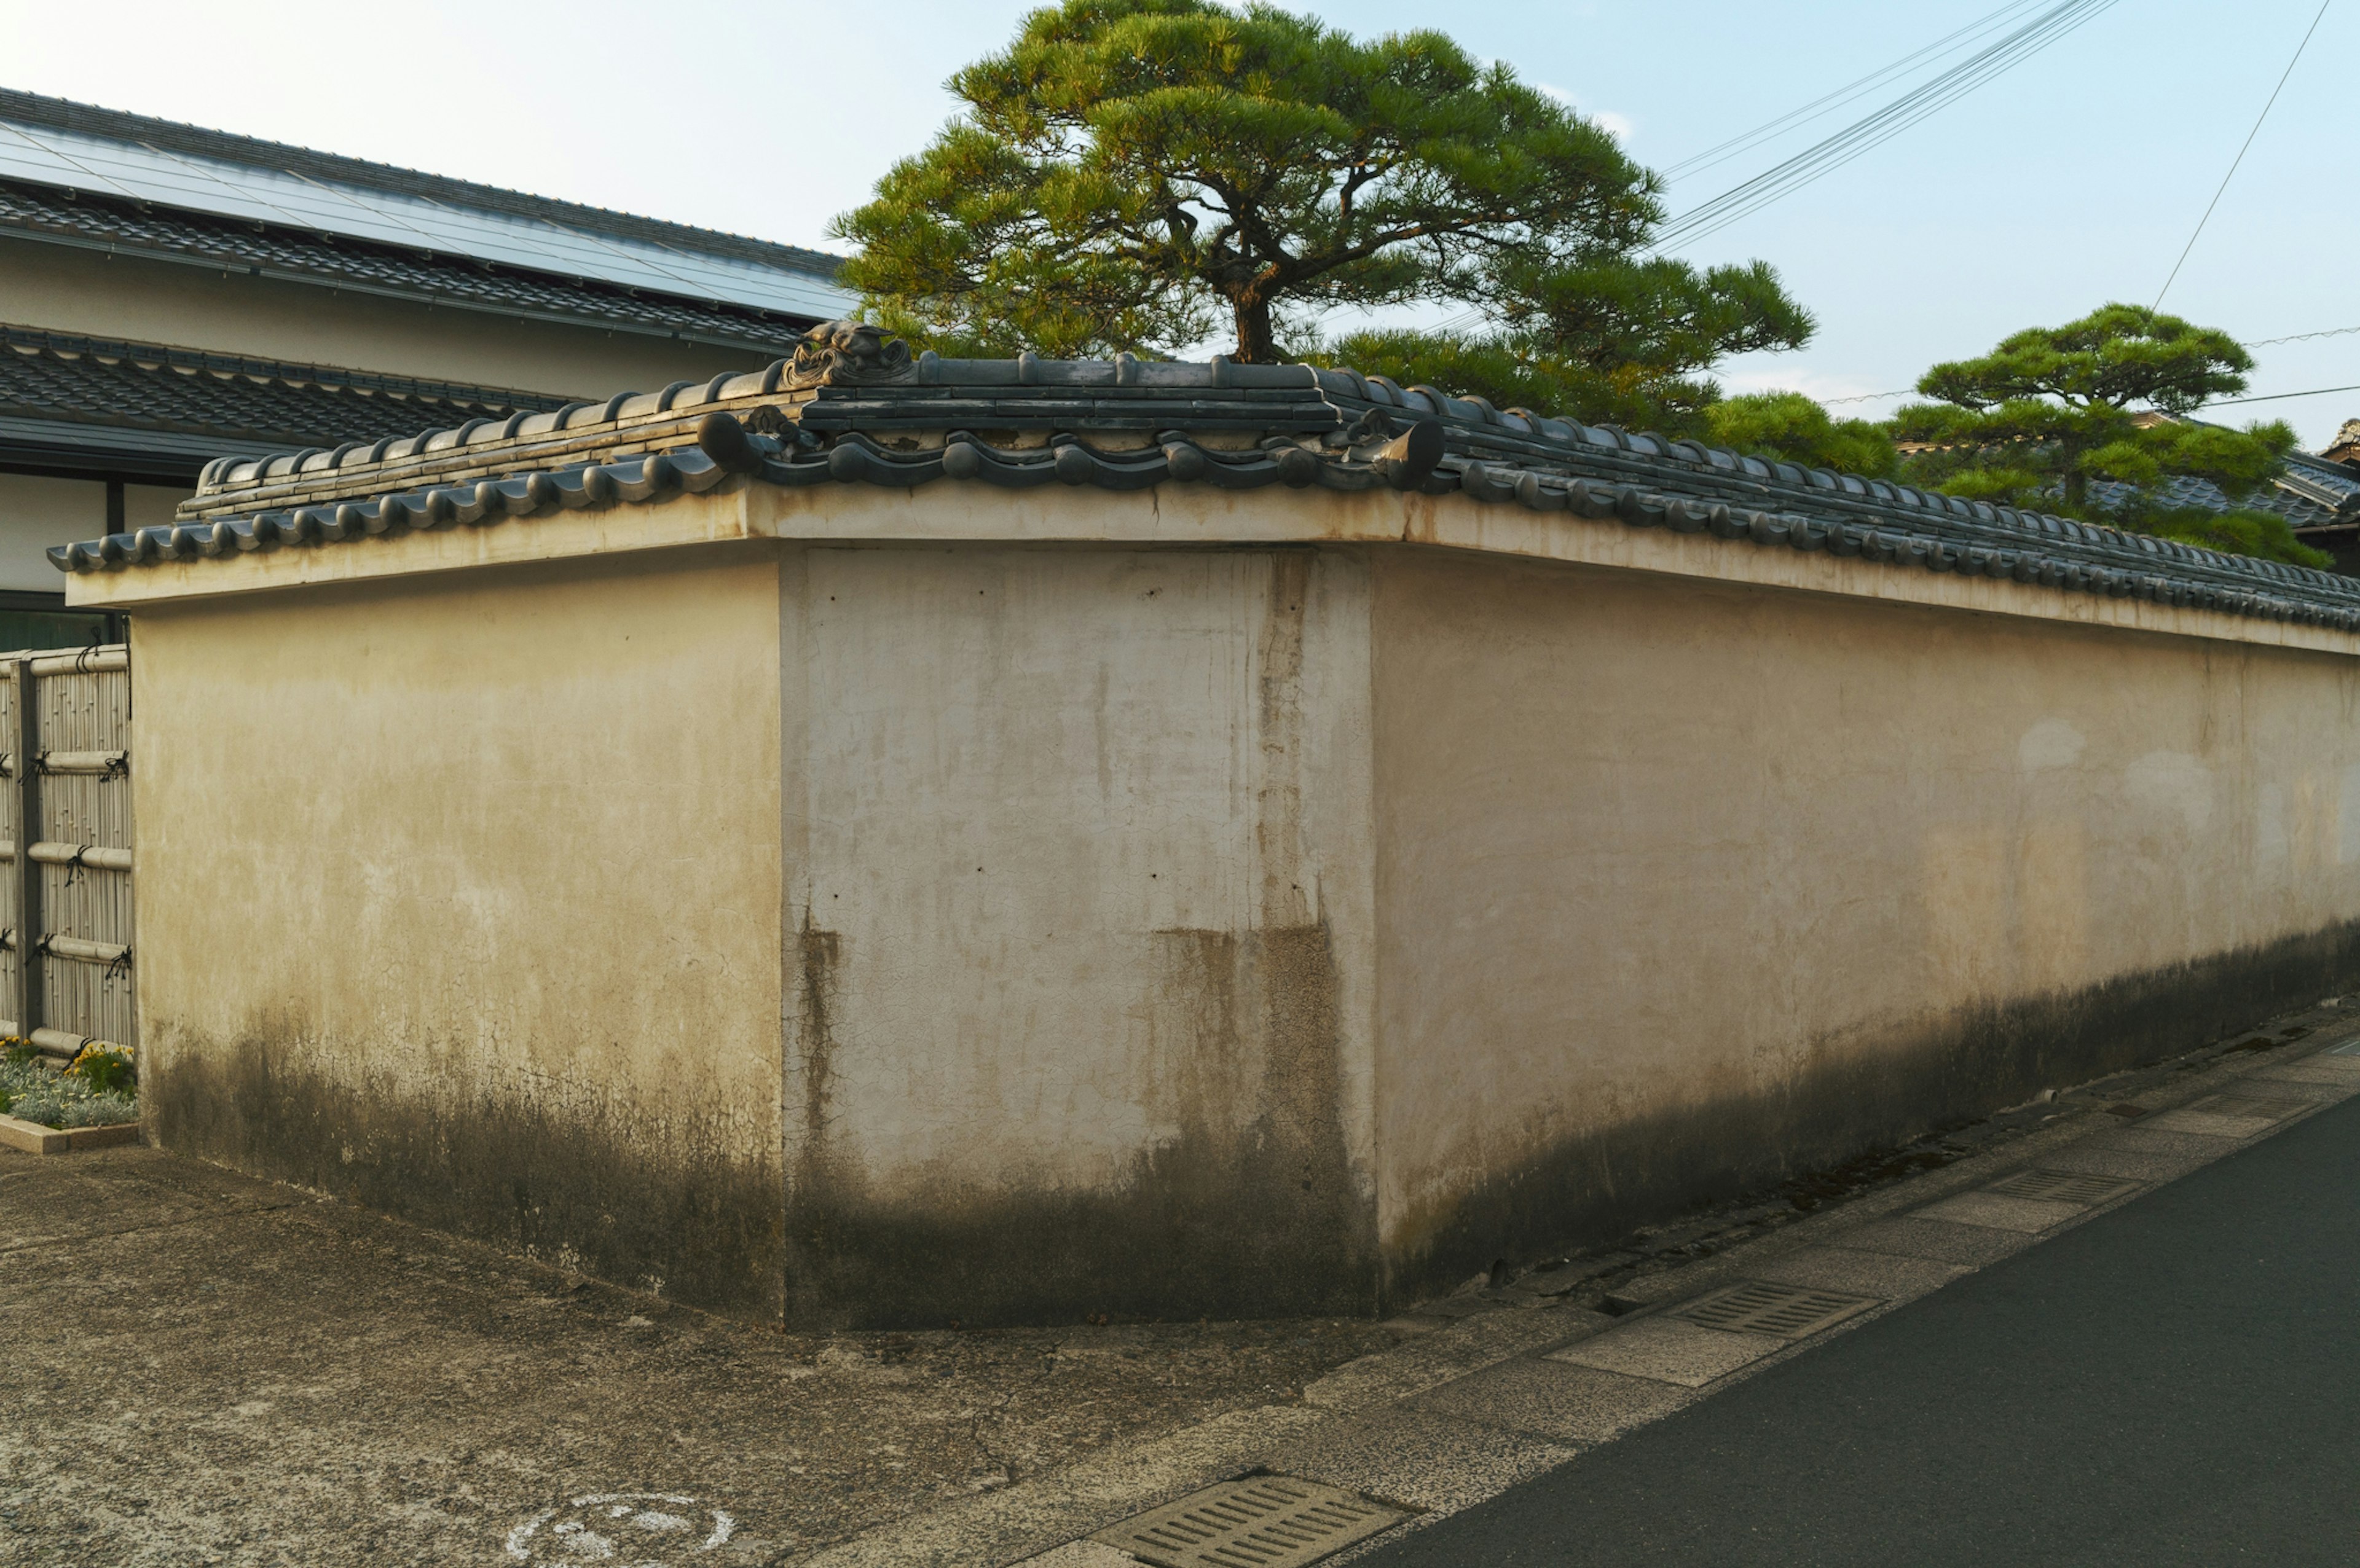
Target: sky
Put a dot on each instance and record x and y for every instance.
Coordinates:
(2074, 180)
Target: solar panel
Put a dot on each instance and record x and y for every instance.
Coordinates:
(141, 172)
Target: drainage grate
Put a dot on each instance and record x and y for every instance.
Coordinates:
(2232, 1105)
(1788, 1311)
(2060, 1187)
(1263, 1521)
(2349, 1048)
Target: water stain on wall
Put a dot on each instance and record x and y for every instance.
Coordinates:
(1595, 1187)
(1250, 1209)
(680, 1203)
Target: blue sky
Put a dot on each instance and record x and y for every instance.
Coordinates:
(2074, 180)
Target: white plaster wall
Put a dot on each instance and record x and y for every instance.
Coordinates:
(1683, 856)
(463, 896)
(36, 512)
(62, 290)
(1037, 780)
(1677, 880)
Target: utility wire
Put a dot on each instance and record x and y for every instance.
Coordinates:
(2276, 396)
(1873, 130)
(2241, 155)
(2304, 337)
(1815, 109)
(1948, 43)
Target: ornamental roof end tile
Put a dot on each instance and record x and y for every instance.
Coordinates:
(853, 406)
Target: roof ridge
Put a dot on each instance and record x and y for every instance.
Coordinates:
(230, 147)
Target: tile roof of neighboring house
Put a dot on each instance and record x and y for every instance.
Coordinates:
(164, 412)
(97, 176)
(2308, 493)
(852, 406)
(2345, 447)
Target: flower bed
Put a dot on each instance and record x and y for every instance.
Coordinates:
(99, 1093)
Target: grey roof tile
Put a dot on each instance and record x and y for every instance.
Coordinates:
(226, 399)
(851, 406)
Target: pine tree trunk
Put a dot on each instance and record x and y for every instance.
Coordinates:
(1255, 344)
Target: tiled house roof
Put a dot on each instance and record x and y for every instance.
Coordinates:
(2309, 492)
(76, 174)
(2345, 447)
(142, 405)
(117, 227)
(851, 407)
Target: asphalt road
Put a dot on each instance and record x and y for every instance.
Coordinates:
(2177, 1381)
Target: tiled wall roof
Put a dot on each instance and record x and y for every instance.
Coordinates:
(850, 407)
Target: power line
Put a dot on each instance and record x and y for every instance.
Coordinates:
(1873, 130)
(2241, 155)
(2304, 337)
(2276, 396)
(1818, 107)
(1821, 105)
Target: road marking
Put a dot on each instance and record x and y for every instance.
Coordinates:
(625, 1528)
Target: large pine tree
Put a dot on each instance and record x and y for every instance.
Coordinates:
(1142, 174)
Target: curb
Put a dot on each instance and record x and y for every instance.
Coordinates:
(32, 1138)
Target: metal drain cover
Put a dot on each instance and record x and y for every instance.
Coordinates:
(1263, 1521)
(2349, 1048)
(1788, 1311)
(2060, 1187)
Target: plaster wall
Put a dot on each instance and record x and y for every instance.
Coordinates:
(1684, 886)
(66, 290)
(1084, 964)
(463, 898)
(1176, 901)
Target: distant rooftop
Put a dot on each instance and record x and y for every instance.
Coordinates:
(267, 190)
(79, 404)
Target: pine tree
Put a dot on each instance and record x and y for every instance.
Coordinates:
(1141, 174)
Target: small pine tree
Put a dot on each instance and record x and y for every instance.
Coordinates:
(2052, 408)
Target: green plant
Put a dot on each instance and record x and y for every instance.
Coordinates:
(1790, 426)
(106, 1069)
(99, 1090)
